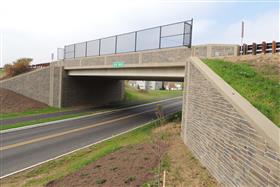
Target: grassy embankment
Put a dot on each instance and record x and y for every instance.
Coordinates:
(260, 86)
(132, 96)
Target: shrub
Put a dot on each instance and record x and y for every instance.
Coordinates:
(18, 67)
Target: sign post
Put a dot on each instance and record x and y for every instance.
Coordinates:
(242, 32)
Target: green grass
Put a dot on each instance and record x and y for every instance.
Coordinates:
(31, 112)
(133, 95)
(261, 91)
(22, 124)
(1, 72)
(73, 162)
(41, 175)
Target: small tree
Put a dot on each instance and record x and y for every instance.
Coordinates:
(17, 67)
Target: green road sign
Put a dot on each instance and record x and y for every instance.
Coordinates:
(118, 64)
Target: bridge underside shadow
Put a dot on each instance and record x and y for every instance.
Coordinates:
(90, 91)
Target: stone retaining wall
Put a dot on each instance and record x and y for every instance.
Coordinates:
(52, 85)
(232, 139)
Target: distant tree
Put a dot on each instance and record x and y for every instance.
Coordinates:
(17, 67)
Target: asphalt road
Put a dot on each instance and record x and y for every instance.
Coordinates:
(25, 148)
(63, 113)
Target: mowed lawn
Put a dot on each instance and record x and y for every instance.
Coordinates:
(261, 91)
(132, 94)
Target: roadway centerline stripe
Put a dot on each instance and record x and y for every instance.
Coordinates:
(85, 116)
(70, 131)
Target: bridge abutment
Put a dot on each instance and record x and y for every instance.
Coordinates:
(53, 86)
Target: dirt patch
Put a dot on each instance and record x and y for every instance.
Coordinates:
(185, 170)
(12, 102)
(259, 62)
(137, 165)
(129, 166)
(256, 59)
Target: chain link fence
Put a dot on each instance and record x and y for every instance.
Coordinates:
(166, 36)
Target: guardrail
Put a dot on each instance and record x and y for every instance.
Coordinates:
(165, 36)
(263, 48)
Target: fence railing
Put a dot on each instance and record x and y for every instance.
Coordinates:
(263, 48)
(165, 36)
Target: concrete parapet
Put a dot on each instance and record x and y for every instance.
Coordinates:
(159, 56)
(231, 138)
(215, 50)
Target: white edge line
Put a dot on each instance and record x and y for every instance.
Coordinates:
(84, 147)
(80, 117)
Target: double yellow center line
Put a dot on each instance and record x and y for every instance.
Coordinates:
(68, 132)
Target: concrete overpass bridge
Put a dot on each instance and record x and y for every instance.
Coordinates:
(92, 72)
(161, 64)
(224, 131)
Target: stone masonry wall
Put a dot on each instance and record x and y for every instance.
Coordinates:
(52, 85)
(35, 84)
(227, 142)
(42, 85)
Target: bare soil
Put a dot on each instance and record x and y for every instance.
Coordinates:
(257, 61)
(11, 102)
(129, 166)
(137, 165)
(185, 170)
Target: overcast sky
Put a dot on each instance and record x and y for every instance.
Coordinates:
(35, 28)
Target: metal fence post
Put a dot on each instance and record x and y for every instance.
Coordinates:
(159, 37)
(116, 43)
(135, 41)
(190, 45)
(74, 50)
(86, 50)
(99, 47)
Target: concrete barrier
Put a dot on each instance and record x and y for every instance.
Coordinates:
(215, 50)
(158, 56)
(231, 138)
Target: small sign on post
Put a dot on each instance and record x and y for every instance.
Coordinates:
(118, 64)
